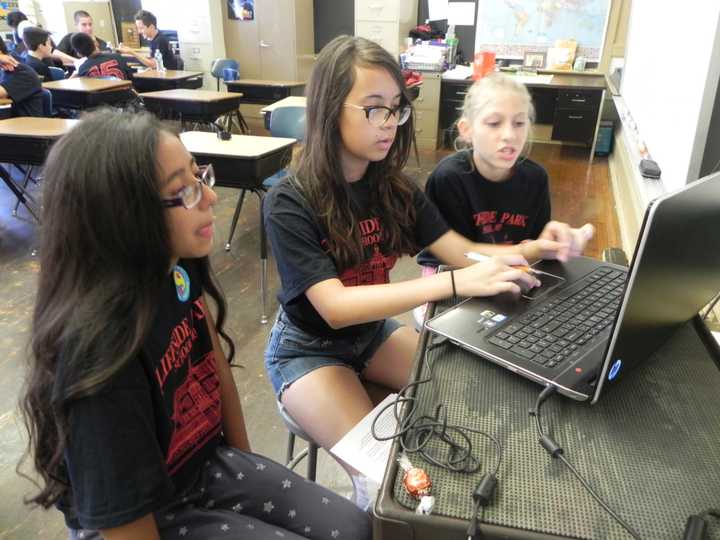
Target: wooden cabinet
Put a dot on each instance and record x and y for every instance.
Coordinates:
(386, 22)
(426, 111)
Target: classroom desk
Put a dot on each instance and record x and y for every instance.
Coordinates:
(242, 162)
(87, 92)
(264, 91)
(570, 103)
(192, 105)
(152, 80)
(649, 447)
(26, 141)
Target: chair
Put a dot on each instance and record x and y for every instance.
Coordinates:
(217, 69)
(284, 122)
(219, 65)
(56, 74)
(294, 430)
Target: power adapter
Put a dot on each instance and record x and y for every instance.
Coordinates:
(695, 528)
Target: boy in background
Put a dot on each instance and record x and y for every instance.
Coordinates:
(39, 50)
(99, 64)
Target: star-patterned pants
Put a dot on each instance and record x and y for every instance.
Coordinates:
(242, 496)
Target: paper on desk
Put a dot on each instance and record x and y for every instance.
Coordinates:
(533, 79)
(359, 449)
(459, 72)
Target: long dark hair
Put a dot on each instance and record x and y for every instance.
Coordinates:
(319, 174)
(104, 253)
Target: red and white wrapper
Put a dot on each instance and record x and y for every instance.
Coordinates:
(418, 484)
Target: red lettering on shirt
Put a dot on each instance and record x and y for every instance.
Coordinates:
(108, 68)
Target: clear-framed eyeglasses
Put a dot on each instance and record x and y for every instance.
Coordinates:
(378, 115)
(189, 196)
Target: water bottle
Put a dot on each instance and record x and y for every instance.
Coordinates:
(452, 43)
(159, 61)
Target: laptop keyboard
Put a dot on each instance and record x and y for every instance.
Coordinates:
(564, 327)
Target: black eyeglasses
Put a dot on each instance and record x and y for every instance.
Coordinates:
(378, 115)
(189, 196)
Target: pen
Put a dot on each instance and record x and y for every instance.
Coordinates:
(479, 257)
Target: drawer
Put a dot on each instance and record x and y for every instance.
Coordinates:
(384, 34)
(454, 91)
(429, 96)
(426, 143)
(450, 111)
(578, 99)
(377, 10)
(426, 123)
(574, 125)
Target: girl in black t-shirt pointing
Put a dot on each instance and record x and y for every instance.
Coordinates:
(134, 420)
(337, 226)
(489, 192)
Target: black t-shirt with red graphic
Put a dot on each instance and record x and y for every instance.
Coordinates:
(106, 65)
(506, 212)
(141, 440)
(298, 241)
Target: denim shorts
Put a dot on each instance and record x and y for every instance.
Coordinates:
(292, 353)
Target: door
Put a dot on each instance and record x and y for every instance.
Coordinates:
(276, 25)
(103, 24)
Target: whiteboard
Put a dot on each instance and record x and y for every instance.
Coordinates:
(670, 80)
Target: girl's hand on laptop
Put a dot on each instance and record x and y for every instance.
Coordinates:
(558, 241)
(494, 276)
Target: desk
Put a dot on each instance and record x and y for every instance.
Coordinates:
(571, 103)
(650, 447)
(242, 163)
(263, 91)
(151, 80)
(192, 105)
(87, 92)
(26, 141)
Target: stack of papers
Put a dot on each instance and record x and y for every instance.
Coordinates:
(359, 449)
(459, 72)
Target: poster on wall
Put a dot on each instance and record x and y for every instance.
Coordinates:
(243, 10)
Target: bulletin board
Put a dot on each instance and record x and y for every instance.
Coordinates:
(511, 27)
(6, 6)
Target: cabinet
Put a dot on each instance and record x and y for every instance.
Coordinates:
(576, 114)
(452, 97)
(278, 45)
(386, 22)
(426, 111)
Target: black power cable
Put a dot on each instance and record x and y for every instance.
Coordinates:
(556, 451)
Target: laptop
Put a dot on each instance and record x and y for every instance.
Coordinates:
(591, 322)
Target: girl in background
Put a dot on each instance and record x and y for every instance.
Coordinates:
(134, 420)
(337, 227)
(489, 192)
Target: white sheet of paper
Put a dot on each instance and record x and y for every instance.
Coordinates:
(437, 10)
(461, 13)
(361, 450)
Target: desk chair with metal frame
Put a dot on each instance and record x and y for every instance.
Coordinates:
(217, 70)
(285, 122)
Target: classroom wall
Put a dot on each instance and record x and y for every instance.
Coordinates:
(670, 81)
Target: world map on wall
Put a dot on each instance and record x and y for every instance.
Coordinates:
(510, 27)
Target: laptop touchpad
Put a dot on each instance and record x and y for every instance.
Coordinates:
(548, 283)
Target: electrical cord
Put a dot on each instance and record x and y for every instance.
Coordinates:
(415, 434)
(556, 451)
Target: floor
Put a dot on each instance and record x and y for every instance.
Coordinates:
(580, 193)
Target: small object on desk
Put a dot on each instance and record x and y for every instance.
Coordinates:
(224, 135)
(649, 169)
(418, 484)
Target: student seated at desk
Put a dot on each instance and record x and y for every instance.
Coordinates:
(18, 21)
(39, 50)
(99, 64)
(83, 24)
(490, 192)
(337, 226)
(134, 420)
(146, 24)
(21, 84)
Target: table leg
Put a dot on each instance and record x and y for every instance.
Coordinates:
(19, 193)
(263, 262)
(238, 207)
